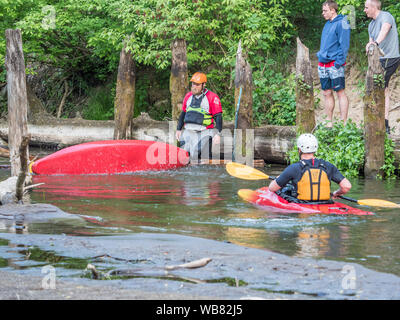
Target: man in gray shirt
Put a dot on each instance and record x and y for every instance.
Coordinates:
(382, 32)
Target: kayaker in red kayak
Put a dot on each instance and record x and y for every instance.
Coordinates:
(309, 180)
(201, 119)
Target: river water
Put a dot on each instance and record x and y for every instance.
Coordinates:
(202, 201)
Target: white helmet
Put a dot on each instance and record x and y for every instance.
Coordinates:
(307, 143)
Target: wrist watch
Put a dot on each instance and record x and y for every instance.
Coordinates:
(376, 42)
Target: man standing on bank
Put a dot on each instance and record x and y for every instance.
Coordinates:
(201, 118)
(382, 32)
(335, 43)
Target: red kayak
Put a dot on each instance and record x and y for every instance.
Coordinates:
(112, 157)
(271, 201)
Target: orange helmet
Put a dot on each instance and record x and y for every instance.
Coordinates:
(199, 77)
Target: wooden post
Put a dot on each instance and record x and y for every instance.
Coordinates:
(17, 97)
(244, 109)
(305, 116)
(125, 96)
(178, 83)
(374, 115)
(19, 193)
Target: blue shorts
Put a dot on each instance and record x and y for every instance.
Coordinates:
(331, 77)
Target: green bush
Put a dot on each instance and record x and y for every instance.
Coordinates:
(389, 167)
(100, 105)
(274, 97)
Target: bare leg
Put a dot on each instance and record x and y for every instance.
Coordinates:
(343, 105)
(329, 105)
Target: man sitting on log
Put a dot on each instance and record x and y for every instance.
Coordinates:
(201, 118)
(309, 180)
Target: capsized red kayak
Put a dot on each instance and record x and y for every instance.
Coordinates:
(271, 201)
(112, 157)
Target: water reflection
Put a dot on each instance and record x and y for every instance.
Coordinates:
(202, 202)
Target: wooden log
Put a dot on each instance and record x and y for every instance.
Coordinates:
(271, 142)
(178, 83)
(17, 97)
(374, 115)
(244, 141)
(125, 95)
(219, 162)
(305, 116)
(24, 168)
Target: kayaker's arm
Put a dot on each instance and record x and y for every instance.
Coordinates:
(218, 121)
(181, 121)
(218, 124)
(180, 125)
(345, 187)
(273, 186)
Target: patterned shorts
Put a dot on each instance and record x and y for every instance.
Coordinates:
(330, 76)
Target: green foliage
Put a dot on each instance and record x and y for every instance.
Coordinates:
(274, 96)
(84, 39)
(81, 41)
(343, 146)
(394, 8)
(389, 167)
(100, 105)
(141, 96)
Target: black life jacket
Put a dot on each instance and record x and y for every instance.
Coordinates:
(195, 114)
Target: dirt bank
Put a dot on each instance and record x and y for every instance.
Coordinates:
(355, 86)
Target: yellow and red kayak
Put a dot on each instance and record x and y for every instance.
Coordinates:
(270, 200)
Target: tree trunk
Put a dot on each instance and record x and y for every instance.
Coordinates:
(125, 96)
(374, 115)
(244, 107)
(67, 92)
(24, 168)
(178, 84)
(305, 117)
(17, 97)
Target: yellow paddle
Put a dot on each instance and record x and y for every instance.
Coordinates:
(372, 202)
(242, 171)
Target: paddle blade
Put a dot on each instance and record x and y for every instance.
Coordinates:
(248, 195)
(378, 203)
(242, 171)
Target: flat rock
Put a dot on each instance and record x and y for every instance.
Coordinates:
(38, 212)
